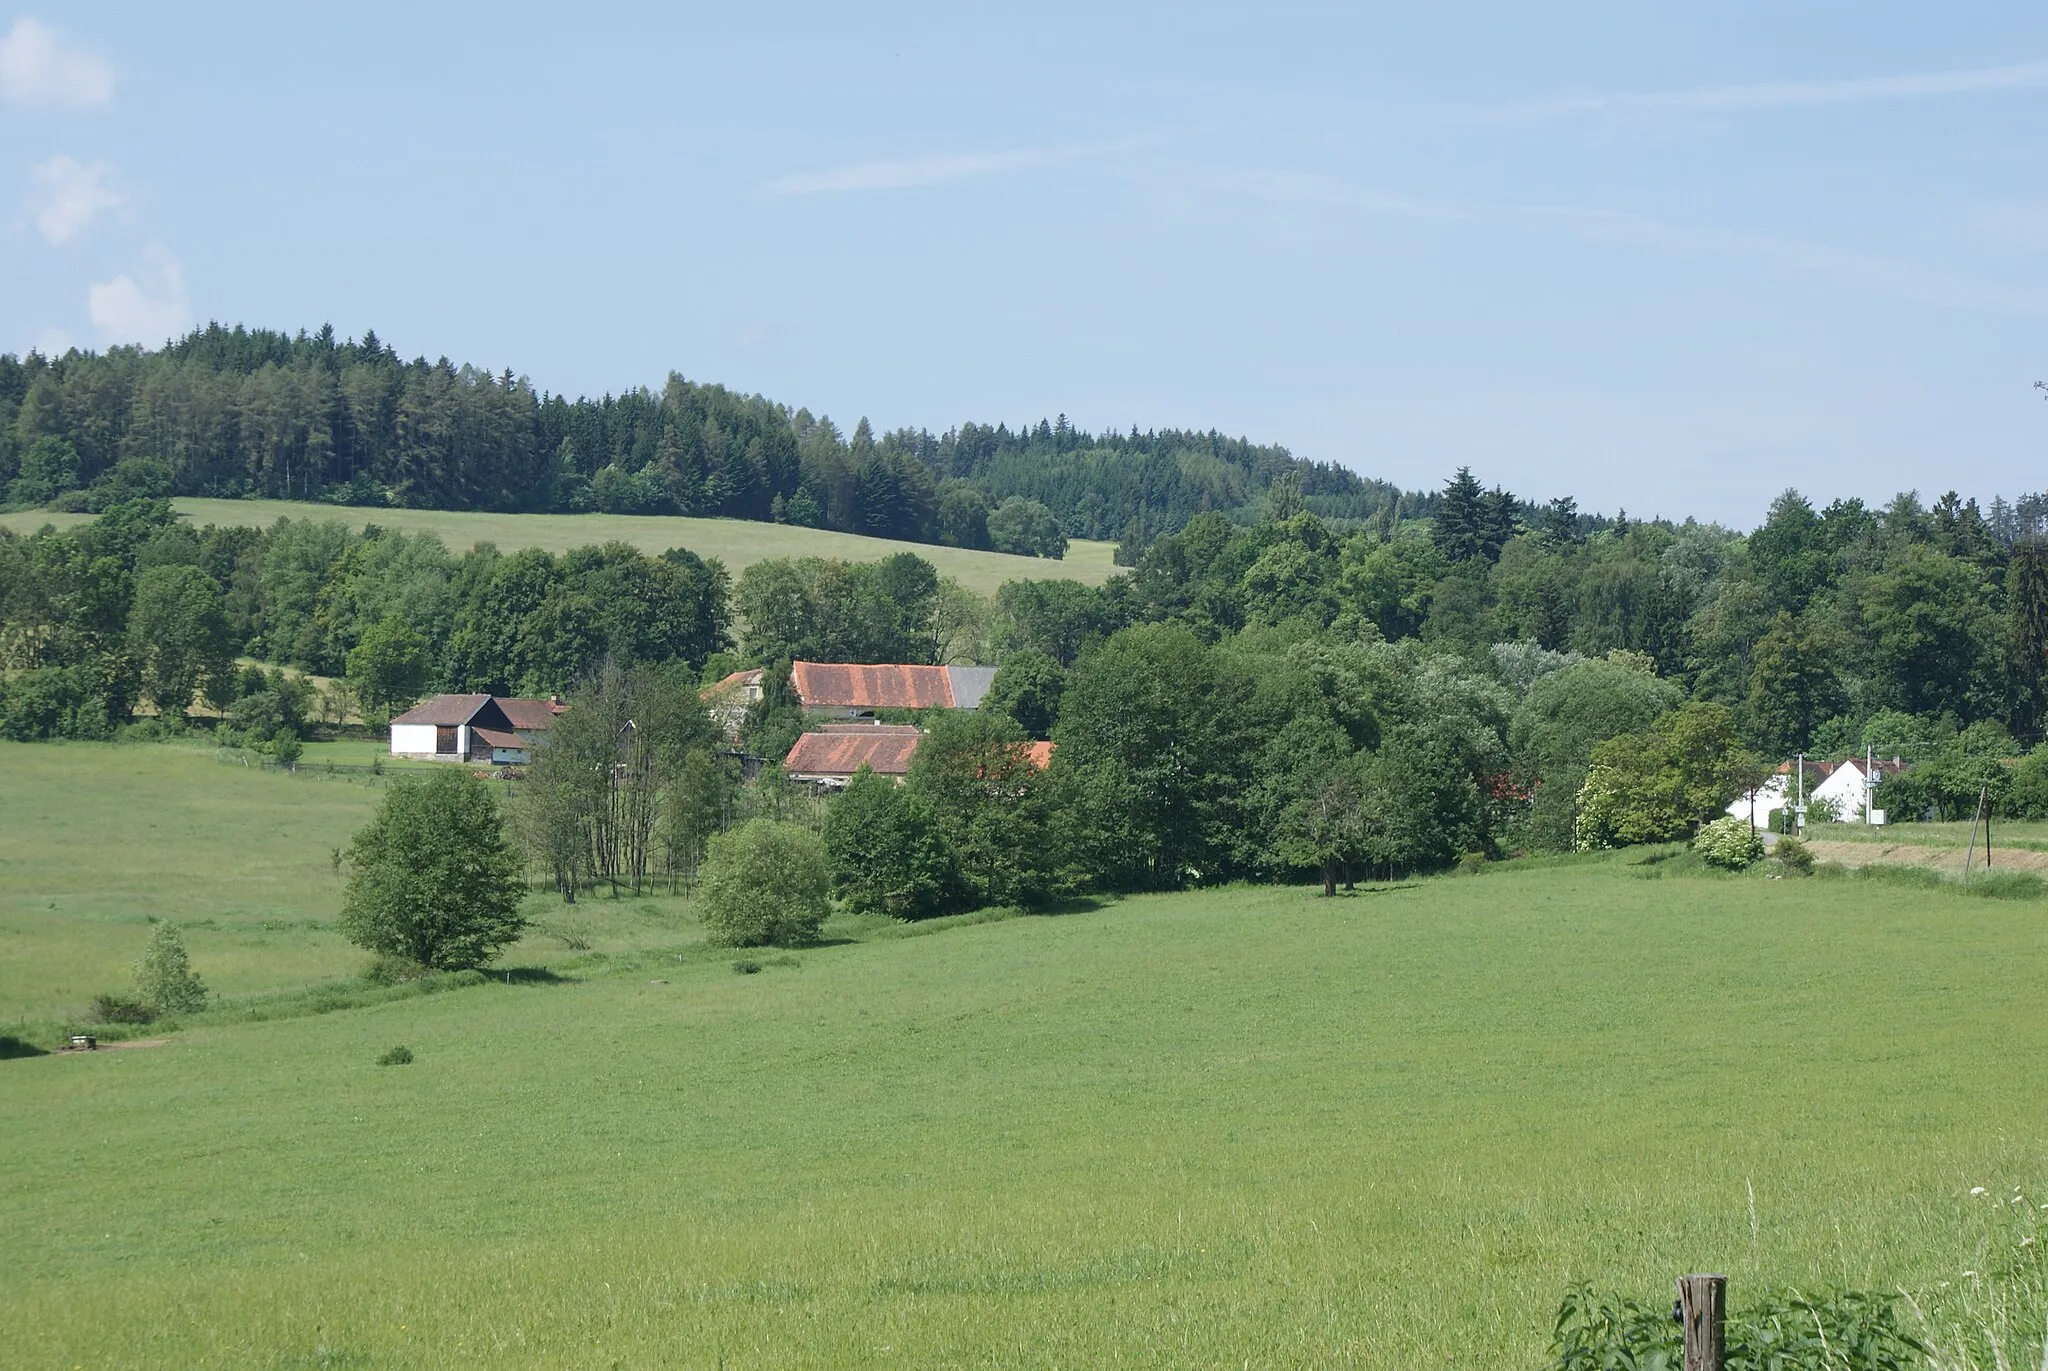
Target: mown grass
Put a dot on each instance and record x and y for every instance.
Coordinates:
(1244, 1126)
(736, 542)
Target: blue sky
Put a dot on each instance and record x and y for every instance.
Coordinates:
(1662, 261)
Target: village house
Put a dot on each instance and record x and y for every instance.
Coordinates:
(1837, 788)
(473, 728)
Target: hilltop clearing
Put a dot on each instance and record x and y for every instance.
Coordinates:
(738, 543)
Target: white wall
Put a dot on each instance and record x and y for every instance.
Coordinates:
(412, 740)
(1770, 796)
(1845, 788)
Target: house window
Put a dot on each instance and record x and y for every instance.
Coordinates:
(444, 738)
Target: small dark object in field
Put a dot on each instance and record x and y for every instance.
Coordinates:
(746, 968)
(397, 1056)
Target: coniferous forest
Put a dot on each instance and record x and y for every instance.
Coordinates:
(256, 413)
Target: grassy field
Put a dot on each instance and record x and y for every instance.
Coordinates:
(1236, 1127)
(736, 542)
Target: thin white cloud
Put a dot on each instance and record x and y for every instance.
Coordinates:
(1864, 271)
(934, 171)
(1309, 191)
(1861, 271)
(151, 310)
(41, 67)
(1709, 99)
(65, 196)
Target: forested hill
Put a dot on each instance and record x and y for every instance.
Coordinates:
(253, 412)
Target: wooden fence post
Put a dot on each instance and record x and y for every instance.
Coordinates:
(1703, 1311)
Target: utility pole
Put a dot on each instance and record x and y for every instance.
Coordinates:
(1799, 809)
(1867, 786)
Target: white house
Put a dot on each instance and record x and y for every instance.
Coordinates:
(1837, 787)
(472, 728)
(1851, 788)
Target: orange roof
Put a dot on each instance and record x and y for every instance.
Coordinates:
(1040, 755)
(885, 751)
(838, 685)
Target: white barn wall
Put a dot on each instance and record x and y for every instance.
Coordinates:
(412, 740)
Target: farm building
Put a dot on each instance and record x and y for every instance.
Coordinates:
(854, 690)
(829, 756)
(846, 690)
(472, 728)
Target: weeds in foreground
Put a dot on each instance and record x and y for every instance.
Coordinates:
(1990, 1317)
(1782, 1331)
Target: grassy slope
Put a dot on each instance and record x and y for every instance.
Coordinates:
(736, 542)
(1229, 1127)
(95, 840)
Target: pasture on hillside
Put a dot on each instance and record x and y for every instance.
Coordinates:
(1226, 1127)
(737, 542)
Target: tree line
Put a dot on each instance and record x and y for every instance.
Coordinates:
(1285, 696)
(258, 413)
(139, 609)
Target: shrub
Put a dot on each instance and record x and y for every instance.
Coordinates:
(287, 748)
(397, 1056)
(746, 967)
(1730, 843)
(117, 1009)
(389, 969)
(1795, 855)
(765, 882)
(164, 979)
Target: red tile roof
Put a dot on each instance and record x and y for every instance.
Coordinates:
(1040, 755)
(885, 751)
(837, 685)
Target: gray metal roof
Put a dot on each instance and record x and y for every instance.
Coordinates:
(970, 683)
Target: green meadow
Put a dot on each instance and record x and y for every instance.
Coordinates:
(1235, 1127)
(736, 542)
